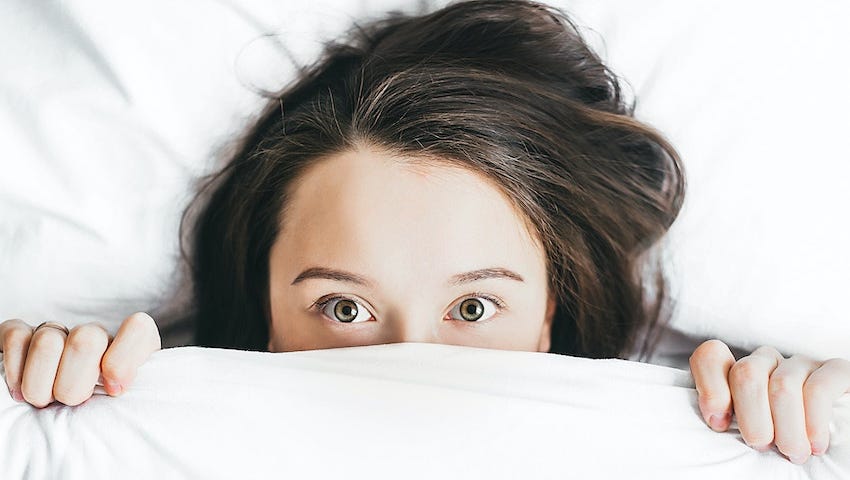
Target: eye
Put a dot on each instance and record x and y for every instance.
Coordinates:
(344, 310)
(474, 309)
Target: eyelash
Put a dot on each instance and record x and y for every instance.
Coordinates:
(319, 304)
(485, 296)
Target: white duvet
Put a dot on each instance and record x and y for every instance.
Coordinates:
(393, 411)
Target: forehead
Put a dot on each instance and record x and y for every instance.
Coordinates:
(362, 207)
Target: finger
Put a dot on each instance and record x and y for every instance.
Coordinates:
(748, 381)
(79, 366)
(45, 350)
(710, 364)
(14, 341)
(136, 339)
(785, 392)
(822, 388)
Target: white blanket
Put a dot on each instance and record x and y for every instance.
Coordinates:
(393, 411)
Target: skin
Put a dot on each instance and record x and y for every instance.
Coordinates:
(405, 231)
(779, 401)
(47, 365)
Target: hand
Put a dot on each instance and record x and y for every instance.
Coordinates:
(47, 365)
(788, 401)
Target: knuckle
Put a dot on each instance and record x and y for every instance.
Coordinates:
(14, 323)
(781, 386)
(47, 341)
(143, 322)
(16, 337)
(139, 321)
(768, 350)
(16, 340)
(713, 345)
(744, 372)
(842, 364)
(87, 338)
(710, 350)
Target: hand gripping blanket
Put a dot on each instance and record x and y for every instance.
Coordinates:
(406, 410)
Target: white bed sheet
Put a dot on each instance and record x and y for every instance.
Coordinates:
(393, 411)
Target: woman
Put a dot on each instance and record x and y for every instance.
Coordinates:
(472, 177)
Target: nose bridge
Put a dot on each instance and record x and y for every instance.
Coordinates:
(411, 325)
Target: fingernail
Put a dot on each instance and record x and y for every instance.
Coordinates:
(718, 422)
(799, 460)
(112, 388)
(16, 395)
(818, 448)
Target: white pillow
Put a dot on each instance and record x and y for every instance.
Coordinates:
(754, 98)
(405, 410)
(110, 110)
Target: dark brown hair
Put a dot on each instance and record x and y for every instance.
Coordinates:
(506, 88)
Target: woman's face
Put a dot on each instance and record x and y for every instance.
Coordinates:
(375, 251)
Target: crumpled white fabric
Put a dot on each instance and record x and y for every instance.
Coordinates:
(404, 410)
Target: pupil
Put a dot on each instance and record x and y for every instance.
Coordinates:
(471, 309)
(345, 311)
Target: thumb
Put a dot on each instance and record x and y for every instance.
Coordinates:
(137, 338)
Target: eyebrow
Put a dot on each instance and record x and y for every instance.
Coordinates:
(332, 274)
(484, 273)
(454, 280)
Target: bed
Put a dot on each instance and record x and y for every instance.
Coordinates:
(109, 111)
